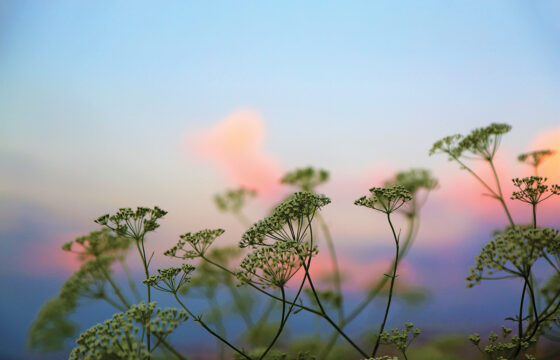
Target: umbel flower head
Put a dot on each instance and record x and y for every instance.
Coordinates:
(413, 180)
(233, 200)
(533, 190)
(534, 158)
(98, 243)
(482, 142)
(400, 339)
(307, 179)
(118, 337)
(171, 279)
(199, 243)
(276, 264)
(513, 251)
(503, 348)
(289, 221)
(134, 224)
(386, 200)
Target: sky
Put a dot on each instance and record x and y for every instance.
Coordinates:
(114, 104)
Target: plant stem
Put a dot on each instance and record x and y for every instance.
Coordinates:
(318, 300)
(259, 289)
(377, 342)
(336, 269)
(161, 339)
(199, 320)
(375, 291)
(282, 322)
(500, 194)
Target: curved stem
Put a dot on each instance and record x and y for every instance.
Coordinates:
(336, 268)
(259, 289)
(412, 230)
(500, 194)
(520, 321)
(199, 320)
(318, 300)
(377, 342)
(281, 327)
(116, 289)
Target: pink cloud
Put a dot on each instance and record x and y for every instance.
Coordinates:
(235, 146)
(47, 258)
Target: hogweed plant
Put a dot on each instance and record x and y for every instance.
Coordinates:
(514, 251)
(266, 281)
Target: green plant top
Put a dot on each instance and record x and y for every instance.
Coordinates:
(295, 213)
(386, 200)
(481, 142)
(307, 179)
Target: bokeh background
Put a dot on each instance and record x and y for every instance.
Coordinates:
(113, 104)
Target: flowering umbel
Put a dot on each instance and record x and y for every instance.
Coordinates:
(481, 142)
(289, 221)
(386, 200)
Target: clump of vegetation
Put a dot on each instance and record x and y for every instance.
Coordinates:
(268, 273)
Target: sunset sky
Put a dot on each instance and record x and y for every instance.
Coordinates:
(109, 104)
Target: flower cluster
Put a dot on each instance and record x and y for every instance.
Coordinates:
(168, 280)
(532, 189)
(98, 243)
(134, 224)
(118, 337)
(400, 338)
(289, 221)
(199, 242)
(233, 200)
(413, 180)
(386, 200)
(502, 349)
(276, 264)
(534, 158)
(512, 251)
(307, 179)
(481, 142)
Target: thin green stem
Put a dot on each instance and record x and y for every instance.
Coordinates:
(201, 322)
(500, 194)
(396, 238)
(115, 288)
(520, 320)
(476, 176)
(282, 323)
(147, 273)
(412, 228)
(162, 340)
(259, 289)
(318, 300)
(336, 270)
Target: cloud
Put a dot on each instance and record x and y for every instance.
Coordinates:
(235, 146)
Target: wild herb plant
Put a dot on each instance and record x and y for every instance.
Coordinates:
(281, 245)
(273, 260)
(515, 250)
